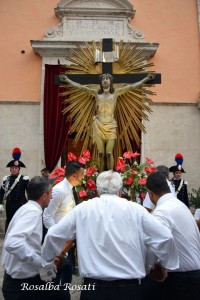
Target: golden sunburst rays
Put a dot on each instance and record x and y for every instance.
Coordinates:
(129, 116)
(82, 60)
(131, 109)
(80, 113)
(131, 60)
(79, 106)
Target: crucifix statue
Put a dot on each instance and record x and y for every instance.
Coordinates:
(102, 122)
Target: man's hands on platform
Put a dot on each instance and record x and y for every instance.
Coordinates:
(158, 273)
(48, 273)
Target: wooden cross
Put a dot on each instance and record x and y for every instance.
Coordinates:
(108, 68)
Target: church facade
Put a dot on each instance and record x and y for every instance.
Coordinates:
(38, 33)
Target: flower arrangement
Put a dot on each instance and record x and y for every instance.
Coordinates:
(57, 175)
(134, 175)
(87, 189)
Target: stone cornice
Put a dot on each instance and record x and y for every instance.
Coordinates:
(93, 12)
(86, 8)
(87, 21)
(60, 48)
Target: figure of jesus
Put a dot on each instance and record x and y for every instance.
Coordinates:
(104, 124)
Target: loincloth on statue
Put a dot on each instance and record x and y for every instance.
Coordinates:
(104, 130)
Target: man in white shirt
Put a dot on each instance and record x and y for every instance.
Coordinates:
(21, 256)
(147, 201)
(112, 236)
(62, 202)
(197, 216)
(183, 283)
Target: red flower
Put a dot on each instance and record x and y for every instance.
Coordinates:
(90, 184)
(142, 196)
(149, 160)
(120, 164)
(58, 179)
(150, 170)
(135, 154)
(71, 156)
(142, 181)
(83, 160)
(60, 172)
(129, 180)
(90, 170)
(82, 194)
(128, 154)
(86, 153)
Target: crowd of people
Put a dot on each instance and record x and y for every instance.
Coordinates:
(124, 250)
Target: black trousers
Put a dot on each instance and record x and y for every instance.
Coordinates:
(152, 290)
(65, 270)
(64, 274)
(110, 290)
(32, 289)
(183, 285)
(177, 286)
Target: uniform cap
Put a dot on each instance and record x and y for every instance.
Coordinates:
(179, 161)
(16, 154)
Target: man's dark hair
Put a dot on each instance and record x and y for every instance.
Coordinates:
(157, 183)
(72, 167)
(37, 186)
(163, 170)
(45, 170)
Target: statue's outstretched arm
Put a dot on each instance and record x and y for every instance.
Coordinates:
(130, 87)
(77, 85)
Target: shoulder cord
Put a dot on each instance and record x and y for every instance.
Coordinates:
(180, 186)
(13, 185)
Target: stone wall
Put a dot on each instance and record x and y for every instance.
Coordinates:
(19, 123)
(174, 128)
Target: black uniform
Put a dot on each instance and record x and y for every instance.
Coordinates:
(182, 194)
(16, 198)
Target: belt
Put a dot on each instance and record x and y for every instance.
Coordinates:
(186, 274)
(21, 279)
(117, 282)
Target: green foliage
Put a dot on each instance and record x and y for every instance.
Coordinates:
(194, 198)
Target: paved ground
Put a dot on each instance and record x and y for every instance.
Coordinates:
(75, 281)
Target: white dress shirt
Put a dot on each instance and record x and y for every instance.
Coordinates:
(112, 236)
(179, 219)
(61, 203)
(197, 214)
(21, 256)
(147, 201)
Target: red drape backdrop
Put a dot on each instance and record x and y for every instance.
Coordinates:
(55, 125)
